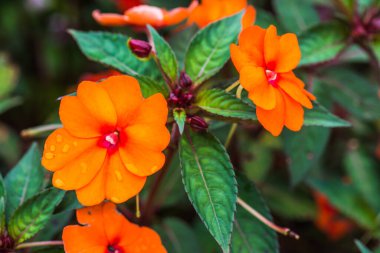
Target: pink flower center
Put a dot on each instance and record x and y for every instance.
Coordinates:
(272, 77)
(110, 140)
(114, 249)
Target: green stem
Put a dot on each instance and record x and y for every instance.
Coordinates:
(265, 221)
(234, 125)
(38, 244)
(232, 86)
(34, 131)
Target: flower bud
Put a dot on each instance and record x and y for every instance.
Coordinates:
(6, 242)
(197, 123)
(140, 48)
(185, 80)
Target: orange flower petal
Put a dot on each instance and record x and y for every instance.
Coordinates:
(147, 242)
(77, 120)
(177, 15)
(144, 14)
(94, 192)
(251, 41)
(252, 77)
(141, 161)
(294, 91)
(83, 239)
(61, 148)
(153, 110)
(249, 16)
(151, 137)
(121, 184)
(81, 170)
(241, 58)
(109, 19)
(97, 101)
(271, 47)
(125, 95)
(273, 120)
(264, 96)
(289, 54)
(309, 95)
(294, 114)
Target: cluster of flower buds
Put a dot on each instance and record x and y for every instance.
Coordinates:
(140, 48)
(182, 96)
(6, 242)
(367, 25)
(197, 123)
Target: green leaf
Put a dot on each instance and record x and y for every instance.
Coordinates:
(8, 76)
(210, 48)
(165, 55)
(24, 180)
(112, 50)
(297, 16)
(322, 43)
(363, 171)
(33, 215)
(362, 247)
(250, 235)
(178, 237)
(347, 200)
(224, 104)
(9, 103)
(150, 87)
(2, 205)
(353, 92)
(180, 118)
(180, 41)
(304, 150)
(210, 183)
(10, 145)
(320, 116)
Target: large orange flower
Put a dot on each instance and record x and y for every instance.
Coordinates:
(212, 10)
(329, 220)
(143, 15)
(112, 139)
(265, 62)
(105, 230)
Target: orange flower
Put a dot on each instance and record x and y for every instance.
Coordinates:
(112, 139)
(124, 5)
(105, 230)
(328, 219)
(265, 62)
(143, 15)
(212, 10)
(95, 77)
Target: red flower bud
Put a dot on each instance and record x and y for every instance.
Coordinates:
(140, 48)
(6, 242)
(185, 80)
(197, 123)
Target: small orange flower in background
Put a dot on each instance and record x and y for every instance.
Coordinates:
(212, 10)
(112, 139)
(328, 219)
(143, 15)
(105, 230)
(95, 77)
(124, 5)
(265, 62)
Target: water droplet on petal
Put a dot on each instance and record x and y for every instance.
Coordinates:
(49, 156)
(65, 148)
(52, 148)
(58, 183)
(75, 144)
(118, 175)
(59, 138)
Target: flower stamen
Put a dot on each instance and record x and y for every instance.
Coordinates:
(272, 77)
(110, 140)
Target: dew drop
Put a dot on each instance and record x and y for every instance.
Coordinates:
(65, 148)
(52, 148)
(118, 175)
(49, 156)
(75, 144)
(58, 182)
(59, 138)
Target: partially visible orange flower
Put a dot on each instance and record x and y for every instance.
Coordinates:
(329, 220)
(212, 10)
(95, 77)
(143, 15)
(105, 230)
(124, 5)
(112, 139)
(265, 62)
